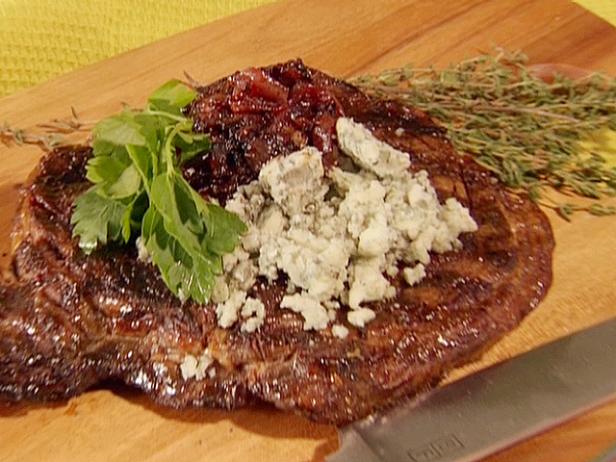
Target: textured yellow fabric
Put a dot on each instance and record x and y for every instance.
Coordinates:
(40, 39)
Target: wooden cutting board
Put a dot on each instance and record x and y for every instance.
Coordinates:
(345, 38)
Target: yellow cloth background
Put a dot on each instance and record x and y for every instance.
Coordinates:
(40, 39)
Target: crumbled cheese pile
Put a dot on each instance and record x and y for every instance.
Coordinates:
(337, 234)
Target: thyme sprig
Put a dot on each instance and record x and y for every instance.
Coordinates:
(18, 136)
(47, 136)
(524, 129)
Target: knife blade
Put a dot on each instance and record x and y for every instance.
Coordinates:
(494, 408)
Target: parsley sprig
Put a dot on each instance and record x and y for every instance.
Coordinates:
(138, 191)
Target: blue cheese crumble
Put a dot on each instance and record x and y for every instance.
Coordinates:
(336, 235)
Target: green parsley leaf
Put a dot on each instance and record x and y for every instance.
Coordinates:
(171, 97)
(143, 160)
(107, 168)
(119, 130)
(186, 277)
(140, 192)
(219, 222)
(191, 145)
(117, 176)
(98, 219)
(127, 185)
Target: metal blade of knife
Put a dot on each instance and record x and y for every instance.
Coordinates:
(493, 408)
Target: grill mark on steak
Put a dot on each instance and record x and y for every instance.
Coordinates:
(68, 321)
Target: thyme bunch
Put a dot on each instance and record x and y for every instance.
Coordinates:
(524, 129)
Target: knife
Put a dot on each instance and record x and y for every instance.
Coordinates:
(494, 408)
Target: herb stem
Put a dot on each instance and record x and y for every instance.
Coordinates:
(165, 114)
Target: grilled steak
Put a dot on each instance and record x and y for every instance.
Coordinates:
(68, 321)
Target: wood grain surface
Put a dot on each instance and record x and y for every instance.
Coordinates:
(345, 38)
